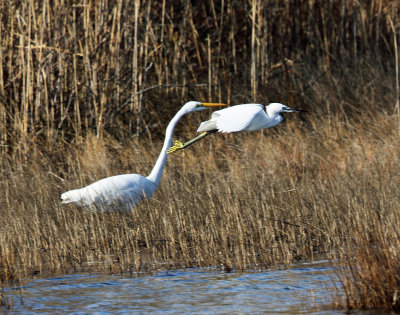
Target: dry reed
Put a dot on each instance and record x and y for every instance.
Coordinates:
(77, 80)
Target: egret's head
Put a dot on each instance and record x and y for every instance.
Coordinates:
(281, 108)
(194, 106)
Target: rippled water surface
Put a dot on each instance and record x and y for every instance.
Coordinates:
(305, 289)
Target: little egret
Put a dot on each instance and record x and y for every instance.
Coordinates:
(244, 117)
(125, 191)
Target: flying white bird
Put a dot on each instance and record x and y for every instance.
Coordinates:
(244, 117)
(122, 192)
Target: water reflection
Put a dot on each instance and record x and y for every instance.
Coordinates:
(302, 290)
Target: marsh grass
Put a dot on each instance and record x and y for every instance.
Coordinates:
(246, 201)
(86, 90)
(370, 274)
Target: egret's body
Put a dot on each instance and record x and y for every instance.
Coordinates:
(244, 117)
(119, 192)
(122, 192)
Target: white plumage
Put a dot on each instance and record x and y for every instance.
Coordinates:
(244, 117)
(119, 192)
(122, 192)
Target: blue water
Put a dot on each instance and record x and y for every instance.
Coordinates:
(304, 289)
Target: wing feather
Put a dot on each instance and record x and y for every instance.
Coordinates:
(238, 118)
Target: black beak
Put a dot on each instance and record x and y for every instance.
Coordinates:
(298, 110)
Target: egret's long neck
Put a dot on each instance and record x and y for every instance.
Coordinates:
(156, 173)
(271, 112)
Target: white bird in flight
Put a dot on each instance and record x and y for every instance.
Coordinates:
(122, 192)
(244, 117)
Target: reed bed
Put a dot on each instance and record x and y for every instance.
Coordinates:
(223, 202)
(87, 88)
(68, 68)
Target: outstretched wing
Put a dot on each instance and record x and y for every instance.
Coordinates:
(239, 117)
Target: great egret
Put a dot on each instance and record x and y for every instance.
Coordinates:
(244, 117)
(125, 191)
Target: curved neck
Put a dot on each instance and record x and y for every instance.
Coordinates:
(156, 173)
(271, 112)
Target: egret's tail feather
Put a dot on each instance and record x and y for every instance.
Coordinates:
(71, 196)
(207, 126)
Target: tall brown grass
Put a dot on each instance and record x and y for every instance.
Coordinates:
(68, 68)
(86, 90)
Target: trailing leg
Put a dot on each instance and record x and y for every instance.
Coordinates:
(178, 145)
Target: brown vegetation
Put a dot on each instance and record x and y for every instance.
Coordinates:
(87, 88)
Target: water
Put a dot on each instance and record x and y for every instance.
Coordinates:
(304, 289)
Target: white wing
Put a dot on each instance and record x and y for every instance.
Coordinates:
(239, 117)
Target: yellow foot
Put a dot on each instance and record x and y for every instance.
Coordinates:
(177, 146)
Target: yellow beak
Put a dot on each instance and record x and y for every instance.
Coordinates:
(213, 104)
